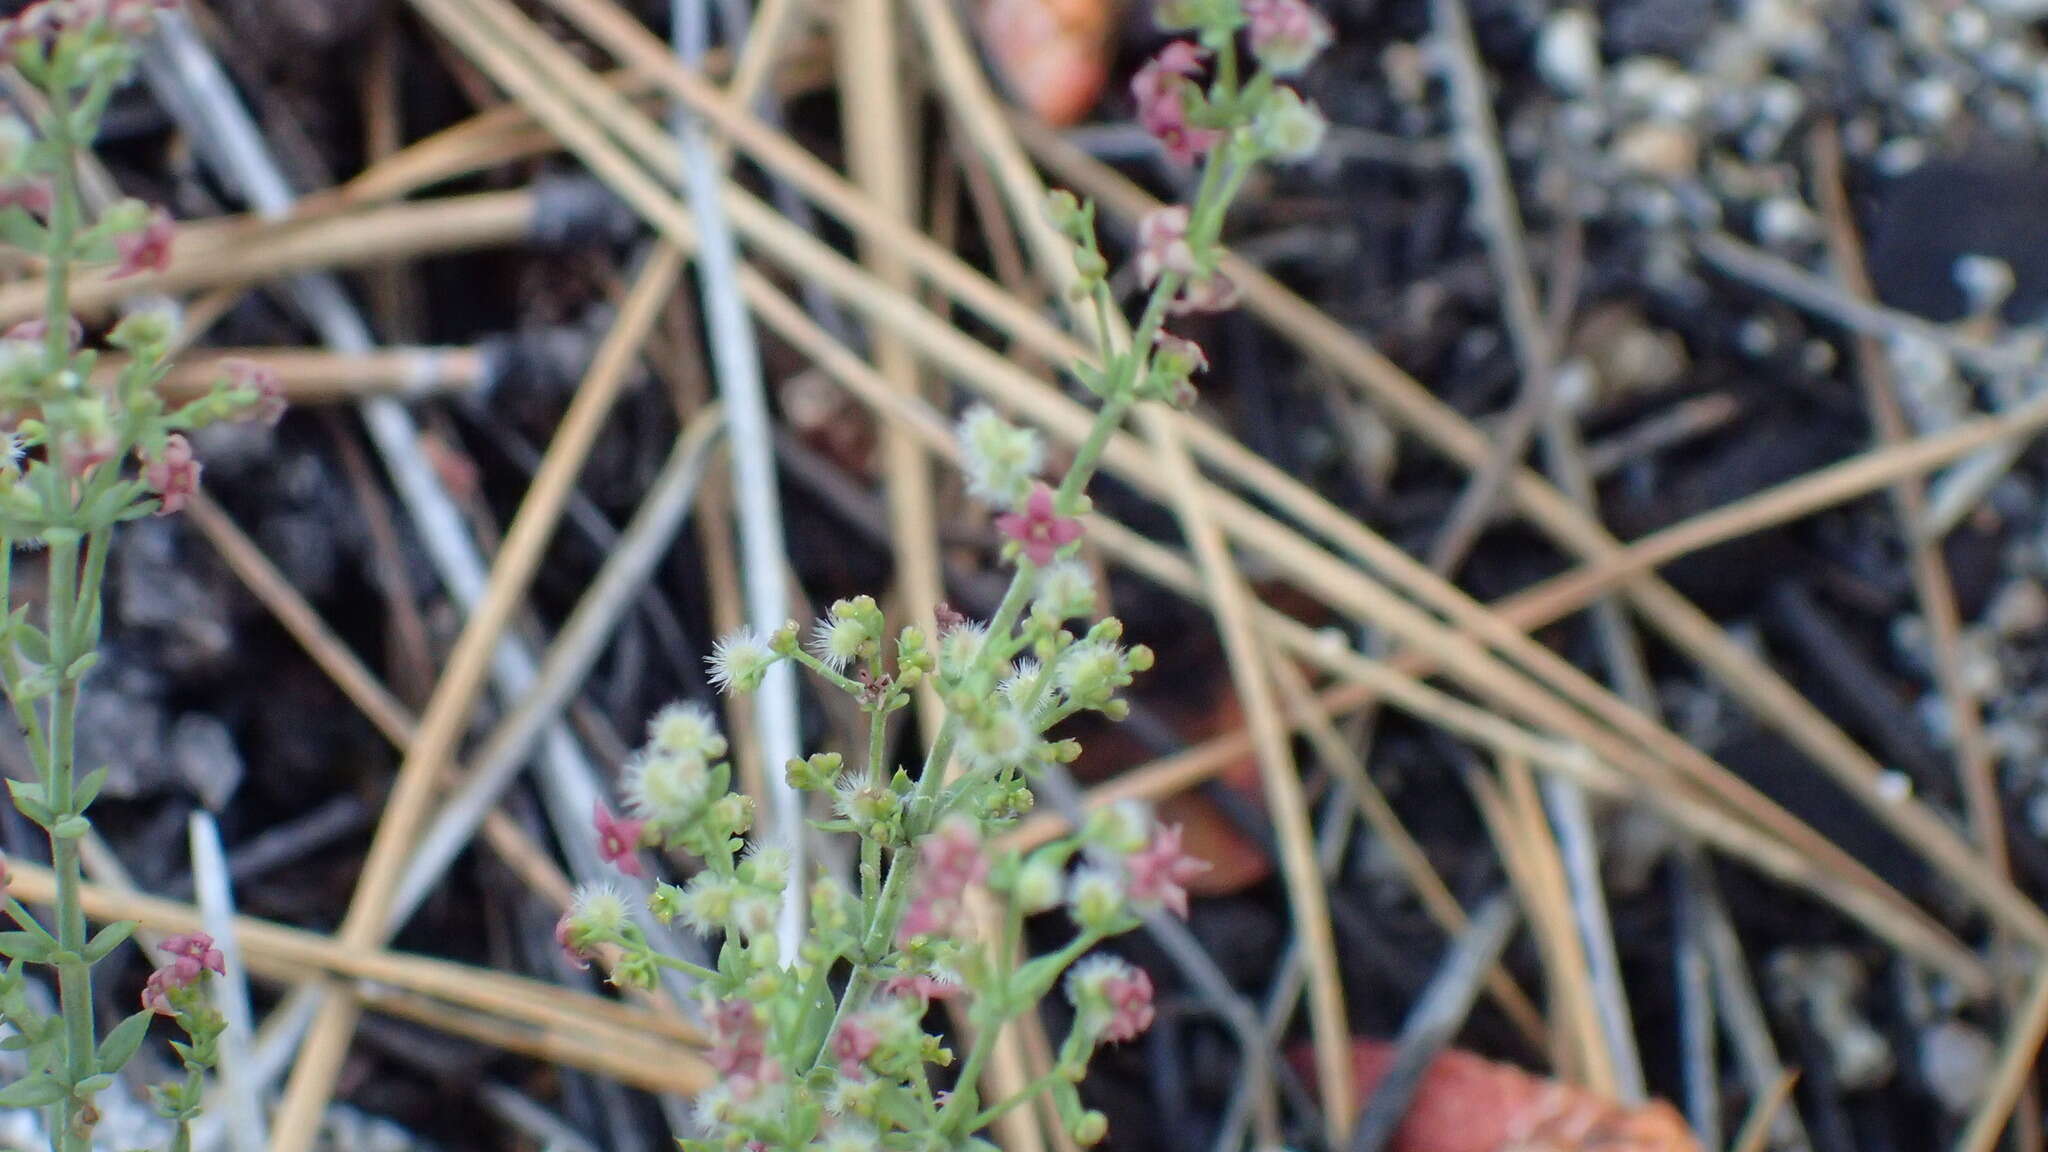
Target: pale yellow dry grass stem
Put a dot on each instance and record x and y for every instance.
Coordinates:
(1548, 901)
(242, 250)
(316, 376)
(448, 710)
(1307, 715)
(2015, 1069)
(1755, 1135)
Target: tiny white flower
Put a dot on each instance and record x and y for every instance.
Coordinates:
(668, 789)
(1001, 738)
(739, 661)
(1001, 459)
(837, 641)
(687, 729)
(598, 910)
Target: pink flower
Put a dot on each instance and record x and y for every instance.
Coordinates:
(948, 862)
(950, 859)
(260, 378)
(1161, 88)
(31, 196)
(173, 475)
(198, 948)
(1163, 244)
(1129, 993)
(1039, 530)
(146, 251)
(1159, 872)
(1285, 34)
(565, 939)
(191, 955)
(855, 1041)
(156, 994)
(1212, 293)
(739, 1047)
(618, 840)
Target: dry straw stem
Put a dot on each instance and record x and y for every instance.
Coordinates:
(1906, 927)
(240, 250)
(1755, 1135)
(615, 1039)
(1547, 898)
(448, 711)
(317, 376)
(1504, 826)
(1307, 716)
(1931, 583)
(2015, 1069)
(1747, 677)
(1889, 465)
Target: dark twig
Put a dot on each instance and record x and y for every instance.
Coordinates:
(1435, 1020)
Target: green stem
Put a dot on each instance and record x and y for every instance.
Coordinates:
(74, 974)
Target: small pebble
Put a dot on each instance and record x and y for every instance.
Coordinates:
(1663, 150)
(1568, 51)
(1955, 1064)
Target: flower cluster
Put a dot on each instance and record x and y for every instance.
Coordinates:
(821, 1042)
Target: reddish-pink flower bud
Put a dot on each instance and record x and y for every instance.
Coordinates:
(1130, 1005)
(1163, 244)
(1215, 292)
(198, 948)
(148, 250)
(1038, 530)
(1159, 872)
(261, 378)
(1161, 89)
(565, 939)
(1285, 34)
(618, 840)
(172, 474)
(853, 1043)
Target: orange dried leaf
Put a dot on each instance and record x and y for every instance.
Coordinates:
(1467, 1103)
(1052, 55)
(1235, 861)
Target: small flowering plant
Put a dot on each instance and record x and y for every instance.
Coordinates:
(86, 443)
(821, 1042)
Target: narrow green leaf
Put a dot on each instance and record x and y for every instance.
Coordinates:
(122, 1042)
(89, 788)
(32, 1092)
(26, 947)
(107, 939)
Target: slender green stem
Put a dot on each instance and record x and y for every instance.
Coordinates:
(994, 1112)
